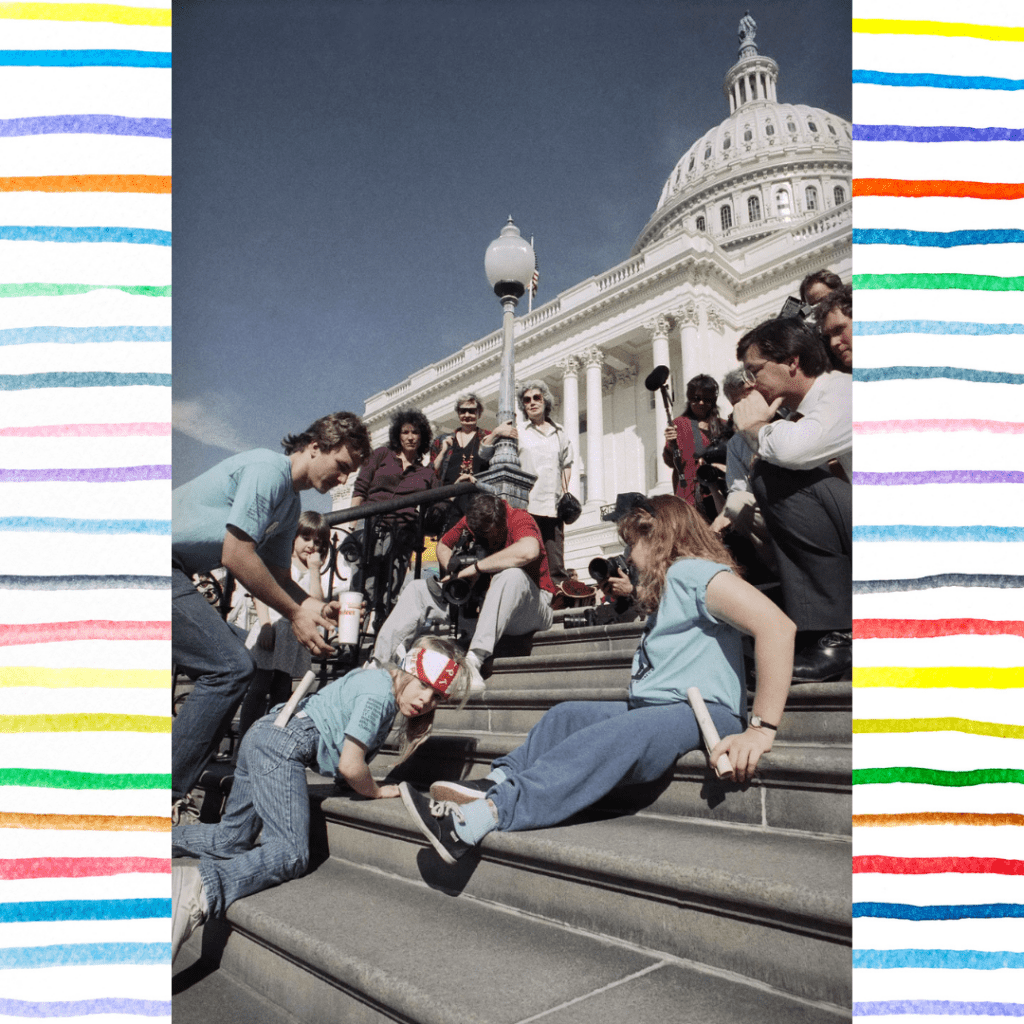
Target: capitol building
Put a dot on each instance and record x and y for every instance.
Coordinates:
(755, 204)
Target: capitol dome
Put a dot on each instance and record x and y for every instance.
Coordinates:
(766, 166)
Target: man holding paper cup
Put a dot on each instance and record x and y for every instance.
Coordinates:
(243, 514)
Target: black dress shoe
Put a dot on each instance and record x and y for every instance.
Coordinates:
(829, 659)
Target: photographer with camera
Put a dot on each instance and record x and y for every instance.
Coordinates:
(511, 561)
(690, 439)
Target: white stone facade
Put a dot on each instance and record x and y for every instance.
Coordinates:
(683, 298)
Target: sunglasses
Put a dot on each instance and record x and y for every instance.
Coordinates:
(467, 412)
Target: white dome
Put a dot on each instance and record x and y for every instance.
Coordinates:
(767, 164)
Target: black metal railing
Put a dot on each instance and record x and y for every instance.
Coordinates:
(386, 582)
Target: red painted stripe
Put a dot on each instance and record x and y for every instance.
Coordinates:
(937, 865)
(919, 629)
(948, 189)
(90, 430)
(82, 867)
(91, 629)
(88, 183)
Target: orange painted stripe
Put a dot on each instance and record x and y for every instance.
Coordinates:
(88, 183)
(86, 822)
(935, 818)
(948, 189)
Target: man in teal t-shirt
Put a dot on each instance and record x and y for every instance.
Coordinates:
(243, 514)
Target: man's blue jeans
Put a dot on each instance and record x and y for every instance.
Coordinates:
(204, 648)
(269, 793)
(581, 750)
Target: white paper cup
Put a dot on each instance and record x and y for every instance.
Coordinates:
(348, 616)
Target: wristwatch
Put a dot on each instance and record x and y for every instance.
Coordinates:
(755, 722)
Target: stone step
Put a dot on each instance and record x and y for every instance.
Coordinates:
(350, 944)
(799, 786)
(751, 901)
(513, 703)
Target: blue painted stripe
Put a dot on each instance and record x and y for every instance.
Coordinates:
(85, 910)
(95, 954)
(951, 534)
(910, 912)
(85, 58)
(939, 239)
(42, 233)
(905, 79)
(933, 133)
(868, 375)
(86, 379)
(85, 1007)
(940, 959)
(875, 327)
(54, 524)
(80, 335)
(937, 1007)
(86, 124)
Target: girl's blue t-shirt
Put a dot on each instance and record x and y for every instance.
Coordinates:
(361, 704)
(684, 645)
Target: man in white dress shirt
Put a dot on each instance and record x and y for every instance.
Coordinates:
(802, 483)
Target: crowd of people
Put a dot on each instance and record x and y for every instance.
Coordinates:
(763, 495)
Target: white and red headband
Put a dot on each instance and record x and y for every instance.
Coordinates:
(431, 667)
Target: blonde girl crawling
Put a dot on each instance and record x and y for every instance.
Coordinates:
(337, 730)
(580, 750)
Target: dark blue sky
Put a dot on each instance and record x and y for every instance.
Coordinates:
(340, 167)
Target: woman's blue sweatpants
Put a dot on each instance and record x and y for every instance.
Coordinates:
(581, 750)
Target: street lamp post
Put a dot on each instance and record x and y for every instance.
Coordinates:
(509, 264)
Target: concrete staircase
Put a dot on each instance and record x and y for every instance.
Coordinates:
(711, 903)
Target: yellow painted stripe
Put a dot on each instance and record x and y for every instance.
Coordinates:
(115, 13)
(85, 722)
(968, 725)
(892, 26)
(70, 678)
(959, 676)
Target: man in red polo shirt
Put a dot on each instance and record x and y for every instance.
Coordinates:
(518, 599)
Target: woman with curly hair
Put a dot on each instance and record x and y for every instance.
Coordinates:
(689, 436)
(391, 471)
(697, 607)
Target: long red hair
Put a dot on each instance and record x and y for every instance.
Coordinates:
(675, 531)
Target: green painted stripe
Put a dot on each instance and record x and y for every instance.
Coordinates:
(51, 778)
(85, 723)
(863, 725)
(969, 282)
(39, 289)
(935, 777)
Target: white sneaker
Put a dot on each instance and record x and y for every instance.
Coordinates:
(187, 912)
(184, 811)
(477, 686)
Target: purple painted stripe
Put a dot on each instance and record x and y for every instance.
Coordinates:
(83, 1007)
(87, 124)
(940, 476)
(109, 475)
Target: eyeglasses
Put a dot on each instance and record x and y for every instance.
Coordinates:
(468, 412)
(531, 399)
(750, 375)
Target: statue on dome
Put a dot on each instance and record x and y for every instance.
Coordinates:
(748, 30)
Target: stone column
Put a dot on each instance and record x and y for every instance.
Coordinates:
(570, 367)
(659, 351)
(688, 320)
(593, 359)
(720, 357)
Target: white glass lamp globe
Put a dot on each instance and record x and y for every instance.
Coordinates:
(509, 262)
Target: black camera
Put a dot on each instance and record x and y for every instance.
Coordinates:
(793, 307)
(602, 569)
(466, 595)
